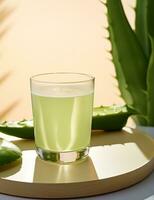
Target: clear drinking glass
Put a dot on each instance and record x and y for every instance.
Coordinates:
(62, 111)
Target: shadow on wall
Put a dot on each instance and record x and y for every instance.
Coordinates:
(4, 15)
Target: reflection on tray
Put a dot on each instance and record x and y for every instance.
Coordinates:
(56, 173)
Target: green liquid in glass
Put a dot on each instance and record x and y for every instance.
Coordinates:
(62, 123)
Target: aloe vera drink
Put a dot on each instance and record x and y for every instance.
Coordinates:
(62, 106)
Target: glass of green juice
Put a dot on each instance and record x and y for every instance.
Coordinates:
(62, 105)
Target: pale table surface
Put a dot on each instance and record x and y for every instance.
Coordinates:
(141, 191)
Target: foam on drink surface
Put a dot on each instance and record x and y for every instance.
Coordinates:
(62, 90)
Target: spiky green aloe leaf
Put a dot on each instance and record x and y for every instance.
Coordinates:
(150, 74)
(132, 61)
(125, 94)
(141, 27)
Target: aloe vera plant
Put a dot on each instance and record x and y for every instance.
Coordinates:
(133, 56)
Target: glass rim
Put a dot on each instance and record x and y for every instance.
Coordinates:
(33, 78)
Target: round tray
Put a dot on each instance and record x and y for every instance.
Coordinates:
(116, 160)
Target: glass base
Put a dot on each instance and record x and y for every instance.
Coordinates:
(62, 157)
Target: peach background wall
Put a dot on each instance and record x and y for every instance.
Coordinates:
(55, 35)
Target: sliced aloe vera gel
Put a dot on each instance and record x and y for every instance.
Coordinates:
(9, 152)
(111, 118)
(22, 129)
